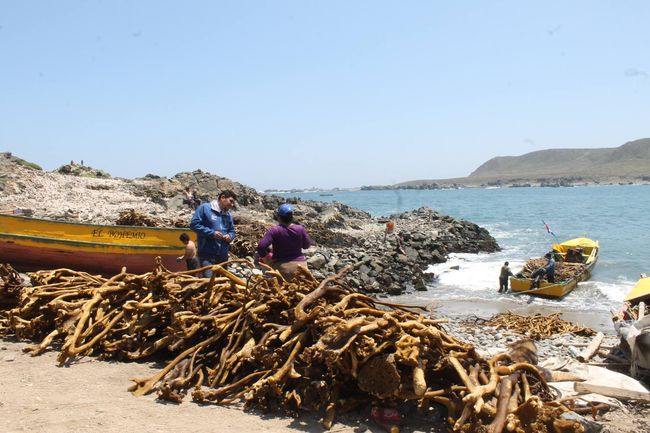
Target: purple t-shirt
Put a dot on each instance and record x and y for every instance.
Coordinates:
(287, 241)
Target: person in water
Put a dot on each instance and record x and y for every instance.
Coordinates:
(503, 278)
(287, 240)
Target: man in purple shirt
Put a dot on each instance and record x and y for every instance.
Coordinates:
(287, 240)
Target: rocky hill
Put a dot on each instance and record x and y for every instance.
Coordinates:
(628, 163)
(343, 235)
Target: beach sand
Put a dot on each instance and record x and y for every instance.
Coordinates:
(91, 396)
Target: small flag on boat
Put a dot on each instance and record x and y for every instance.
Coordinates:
(548, 230)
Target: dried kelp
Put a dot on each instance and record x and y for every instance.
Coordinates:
(563, 271)
(132, 217)
(10, 285)
(271, 343)
(536, 326)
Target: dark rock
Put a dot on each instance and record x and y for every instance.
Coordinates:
(419, 285)
(316, 261)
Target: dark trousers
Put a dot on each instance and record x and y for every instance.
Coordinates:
(539, 274)
(209, 261)
(192, 263)
(503, 285)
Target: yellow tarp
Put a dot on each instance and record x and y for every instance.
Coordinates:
(575, 243)
(640, 291)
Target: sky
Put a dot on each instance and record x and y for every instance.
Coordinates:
(298, 94)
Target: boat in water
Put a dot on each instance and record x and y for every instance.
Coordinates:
(575, 260)
(36, 244)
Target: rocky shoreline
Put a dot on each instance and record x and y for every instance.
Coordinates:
(381, 262)
(392, 263)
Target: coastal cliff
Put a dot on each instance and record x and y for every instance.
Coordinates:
(391, 263)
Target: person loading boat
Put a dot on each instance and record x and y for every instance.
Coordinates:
(548, 270)
(503, 277)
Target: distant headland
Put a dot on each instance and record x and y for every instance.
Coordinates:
(626, 164)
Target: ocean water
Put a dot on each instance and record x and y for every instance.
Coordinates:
(618, 216)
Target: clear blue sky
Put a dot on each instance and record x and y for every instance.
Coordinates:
(282, 94)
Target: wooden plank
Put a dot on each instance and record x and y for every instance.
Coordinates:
(612, 391)
(591, 349)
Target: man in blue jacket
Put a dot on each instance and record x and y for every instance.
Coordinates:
(548, 270)
(215, 230)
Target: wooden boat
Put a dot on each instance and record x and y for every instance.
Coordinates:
(640, 292)
(31, 243)
(632, 324)
(581, 252)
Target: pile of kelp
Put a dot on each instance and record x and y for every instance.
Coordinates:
(563, 271)
(274, 344)
(537, 326)
(132, 217)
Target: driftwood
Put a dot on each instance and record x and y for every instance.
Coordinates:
(612, 391)
(270, 343)
(591, 349)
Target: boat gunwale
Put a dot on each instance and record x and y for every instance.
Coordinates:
(69, 242)
(21, 217)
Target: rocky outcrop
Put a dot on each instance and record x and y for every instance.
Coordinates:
(397, 261)
(382, 262)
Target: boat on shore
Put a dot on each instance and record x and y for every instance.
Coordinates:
(640, 292)
(575, 258)
(32, 243)
(632, 324)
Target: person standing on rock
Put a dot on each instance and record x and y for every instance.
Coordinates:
(287, 239)
(215, 230)
(189, 199)
(503, 278)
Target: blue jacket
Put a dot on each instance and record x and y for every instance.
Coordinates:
(205, 222)
(550, 266)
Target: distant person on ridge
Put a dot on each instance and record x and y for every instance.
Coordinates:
(215, 230)
(503, 278)
(287, 240)
(548, 270)
(189, 199)
(191, 260)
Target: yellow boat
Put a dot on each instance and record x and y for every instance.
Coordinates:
(640, 292)
(31, 243)
(581, 252)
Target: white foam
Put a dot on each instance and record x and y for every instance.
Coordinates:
(475, 277)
